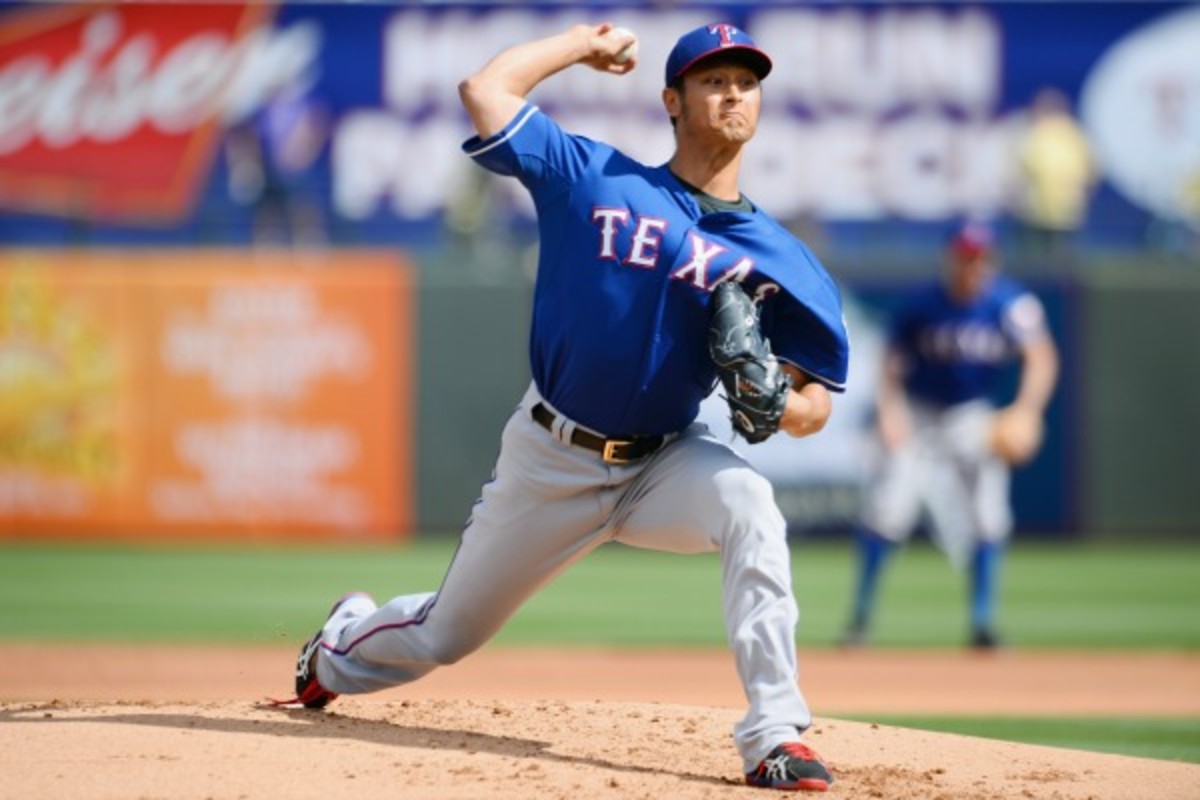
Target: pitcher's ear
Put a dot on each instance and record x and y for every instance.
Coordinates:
(672, 101)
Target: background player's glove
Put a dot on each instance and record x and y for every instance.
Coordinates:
(755, 387)
(1016, 434)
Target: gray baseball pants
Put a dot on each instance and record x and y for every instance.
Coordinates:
(550, 504)
(948, 469)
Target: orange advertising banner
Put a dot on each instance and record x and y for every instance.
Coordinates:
(209, 394)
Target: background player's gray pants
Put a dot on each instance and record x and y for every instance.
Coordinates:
(948, 469)
(548, 505)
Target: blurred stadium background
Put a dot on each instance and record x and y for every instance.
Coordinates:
(252, 296)
(250, 288)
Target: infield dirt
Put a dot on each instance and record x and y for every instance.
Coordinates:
(188, 722)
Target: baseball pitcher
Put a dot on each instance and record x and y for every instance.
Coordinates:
(654, 285)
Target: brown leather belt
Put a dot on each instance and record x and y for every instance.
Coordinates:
(613, 451)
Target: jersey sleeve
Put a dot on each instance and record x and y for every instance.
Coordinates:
(535, 150)
(810, 338)
(803, 320)
(1024, 318)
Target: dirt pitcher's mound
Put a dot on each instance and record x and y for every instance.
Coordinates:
(441, 749)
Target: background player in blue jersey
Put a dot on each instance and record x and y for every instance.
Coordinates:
(947, 449)
(603, 447)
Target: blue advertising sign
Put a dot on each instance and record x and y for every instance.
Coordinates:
(223, 123)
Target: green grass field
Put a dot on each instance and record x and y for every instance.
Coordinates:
(1174, 739)
(1054, 595)
(1063, 596)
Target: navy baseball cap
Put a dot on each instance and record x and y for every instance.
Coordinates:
(712, 40)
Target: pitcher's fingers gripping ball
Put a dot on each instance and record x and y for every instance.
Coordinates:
(755, 387)
(629, 51)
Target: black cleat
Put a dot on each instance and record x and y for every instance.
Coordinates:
(791, 766)
(985, 640)
(309, 692)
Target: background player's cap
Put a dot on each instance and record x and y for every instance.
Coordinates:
(972, 240)
(710, 40)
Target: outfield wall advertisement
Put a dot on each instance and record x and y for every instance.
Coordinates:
(200, 394)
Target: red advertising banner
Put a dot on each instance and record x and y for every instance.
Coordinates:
(111, 110)
(204, 395)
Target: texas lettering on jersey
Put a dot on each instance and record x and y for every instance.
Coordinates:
(641, 248)
(969, 342)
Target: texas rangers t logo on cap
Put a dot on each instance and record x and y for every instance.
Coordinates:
(725, 31)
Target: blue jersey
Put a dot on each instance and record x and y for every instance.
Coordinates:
(953, 353)
(619, 334)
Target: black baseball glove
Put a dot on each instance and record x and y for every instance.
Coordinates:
(755, 387)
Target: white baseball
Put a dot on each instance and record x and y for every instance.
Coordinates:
(630, 50)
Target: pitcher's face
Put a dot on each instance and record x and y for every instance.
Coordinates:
(721, 101)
